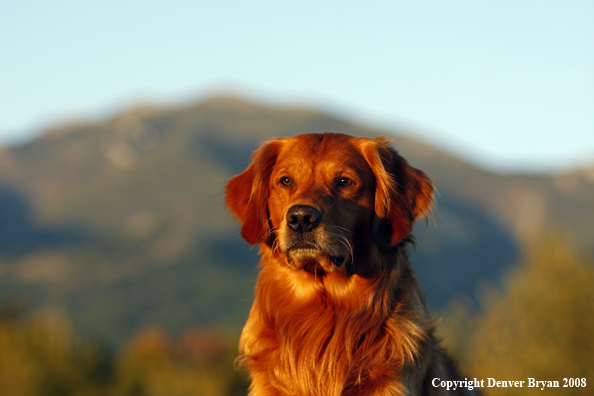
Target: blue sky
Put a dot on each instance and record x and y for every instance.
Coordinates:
(508, 85)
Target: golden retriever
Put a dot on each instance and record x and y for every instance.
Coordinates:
(337, 309)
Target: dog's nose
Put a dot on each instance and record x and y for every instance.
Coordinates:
(303, 218)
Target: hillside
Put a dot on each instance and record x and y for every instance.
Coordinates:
(121, 224)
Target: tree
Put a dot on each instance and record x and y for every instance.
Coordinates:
(541, 326)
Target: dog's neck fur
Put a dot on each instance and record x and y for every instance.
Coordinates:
(330, 346)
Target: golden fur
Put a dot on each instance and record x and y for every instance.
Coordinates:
(337, 309)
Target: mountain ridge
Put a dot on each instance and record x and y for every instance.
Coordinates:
(122, 223)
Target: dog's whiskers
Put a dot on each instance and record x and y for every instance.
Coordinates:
(344, 229)
(345, 242)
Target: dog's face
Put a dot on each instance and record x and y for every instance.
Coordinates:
(323, 201)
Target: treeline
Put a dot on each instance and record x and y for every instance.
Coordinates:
(539, 325)
(41, 357)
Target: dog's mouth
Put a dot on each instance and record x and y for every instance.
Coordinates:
(310, 258)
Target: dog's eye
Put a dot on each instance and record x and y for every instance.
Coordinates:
(285, 181)
(344, 182)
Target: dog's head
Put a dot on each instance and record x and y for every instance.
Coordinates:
(321, 200)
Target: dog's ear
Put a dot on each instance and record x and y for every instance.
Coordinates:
(247, 193)
(402, 193)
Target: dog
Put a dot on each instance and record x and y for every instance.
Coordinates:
(337, 309)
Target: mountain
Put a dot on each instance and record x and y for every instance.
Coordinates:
(121, 224)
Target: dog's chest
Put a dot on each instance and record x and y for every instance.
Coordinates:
(320, 355)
